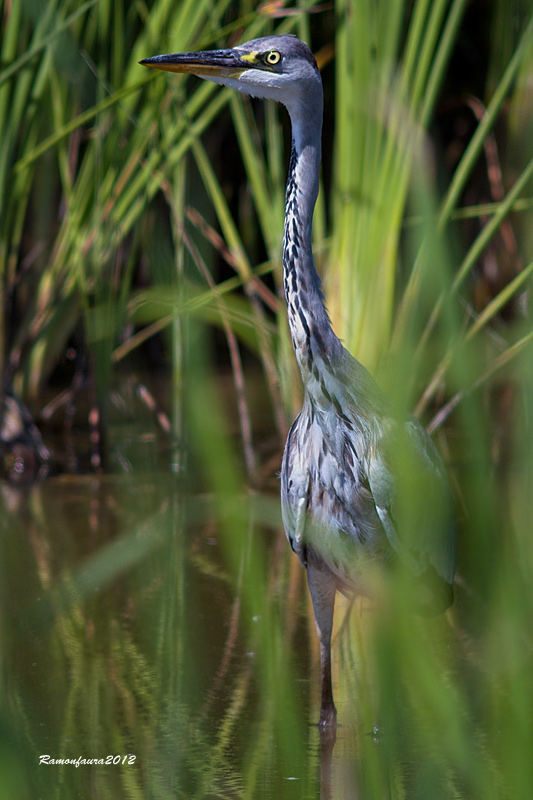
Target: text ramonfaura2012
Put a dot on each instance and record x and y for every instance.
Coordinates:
(79, 762)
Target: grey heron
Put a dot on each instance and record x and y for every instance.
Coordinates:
(351, 457)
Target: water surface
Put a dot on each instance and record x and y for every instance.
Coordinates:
(170, 636)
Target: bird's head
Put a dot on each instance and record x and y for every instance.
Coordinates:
(280, 68)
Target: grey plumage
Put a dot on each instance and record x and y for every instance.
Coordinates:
(353, 465)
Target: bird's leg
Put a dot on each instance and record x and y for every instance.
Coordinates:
(322, 589)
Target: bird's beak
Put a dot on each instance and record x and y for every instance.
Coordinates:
(207, 63)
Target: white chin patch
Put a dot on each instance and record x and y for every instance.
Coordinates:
(262, 91)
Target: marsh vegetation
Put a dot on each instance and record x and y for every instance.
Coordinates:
(150, 605)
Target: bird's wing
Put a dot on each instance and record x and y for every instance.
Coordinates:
(294, 492)
(413, 498)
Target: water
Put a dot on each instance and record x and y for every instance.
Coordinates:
(133, 635)
(169, 636)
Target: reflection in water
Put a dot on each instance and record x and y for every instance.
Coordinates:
(327, 745)
(146, 623)
(136, 630)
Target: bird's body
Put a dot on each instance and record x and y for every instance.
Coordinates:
(352, 463)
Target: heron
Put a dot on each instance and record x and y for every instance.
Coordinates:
(352, 457)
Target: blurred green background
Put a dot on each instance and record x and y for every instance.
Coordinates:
(150, 605)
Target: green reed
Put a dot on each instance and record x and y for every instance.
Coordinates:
(105, 167)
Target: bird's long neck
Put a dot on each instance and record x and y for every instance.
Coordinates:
(312, 336)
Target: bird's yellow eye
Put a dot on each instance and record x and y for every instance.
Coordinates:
(273, 57)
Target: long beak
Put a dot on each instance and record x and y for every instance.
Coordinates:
(223, 63)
